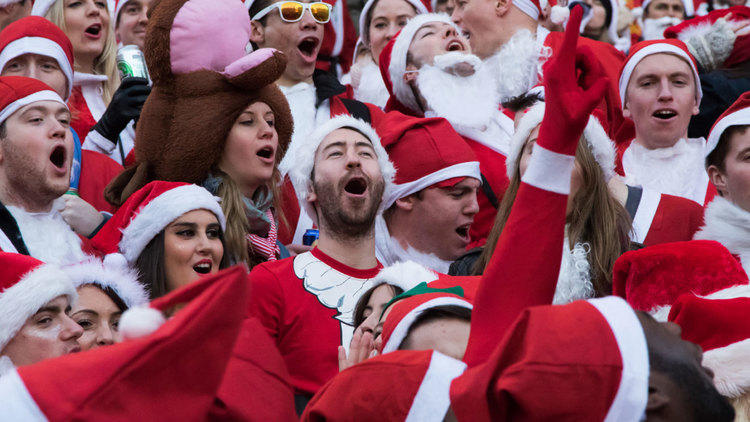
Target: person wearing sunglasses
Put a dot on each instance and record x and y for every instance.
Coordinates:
(296, 28)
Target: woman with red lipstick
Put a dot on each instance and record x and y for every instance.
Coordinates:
(105, 107)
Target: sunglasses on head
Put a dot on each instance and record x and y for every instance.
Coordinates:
(292, 11)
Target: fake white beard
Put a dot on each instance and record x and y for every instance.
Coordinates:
(653, 29)
(466, 100)
(517, 65)
(371, 88)
(574, 280)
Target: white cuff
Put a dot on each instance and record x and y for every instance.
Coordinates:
(549, 170)
(95, 141)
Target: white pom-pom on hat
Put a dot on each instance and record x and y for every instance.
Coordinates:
(559, 14)
(140, 321)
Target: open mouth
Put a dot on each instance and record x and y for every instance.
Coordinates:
(664, 114)
(203, 267)
(94, 29)
(463, 231)
(455, 45)
(265, 152)
(356, 186)
(58, 157)
(307, 46)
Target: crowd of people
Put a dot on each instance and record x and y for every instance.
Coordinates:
(458, 210)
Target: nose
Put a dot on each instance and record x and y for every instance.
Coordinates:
(352, 159)
(665, 91)
(392, 31)
(143, 18)
(70, 330)
(472, 206)
(92, 9)
(105, 336)
(265, 131)
(368, 325)
(58, 131)
(307, 21)
(450, 32)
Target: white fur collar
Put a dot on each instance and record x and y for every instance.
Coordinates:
(729, 225)
(389, 251)
(6, 365)
(370, 87)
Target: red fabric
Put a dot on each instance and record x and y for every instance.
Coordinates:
(657, 275)
(470, 284)
(82, 121)
(291, 210)
(13, 88)
(14, 267)
(742, 103)
(330, 36)
(37, 26)
(492, 166)
(543, 368)
(97, 170)
(676, 220)
(175, 363)
(711, 323)
(306, 332)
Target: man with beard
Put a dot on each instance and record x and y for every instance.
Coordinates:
(306, 302)
(430, 71)
(507, 34)
(314, 96)
(659, 15)
(36, 152)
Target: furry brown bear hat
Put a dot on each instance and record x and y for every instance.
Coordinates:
(203, 79)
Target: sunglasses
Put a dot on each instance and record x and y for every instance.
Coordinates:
(292, 11)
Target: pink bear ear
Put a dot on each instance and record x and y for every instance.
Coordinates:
(256, 69)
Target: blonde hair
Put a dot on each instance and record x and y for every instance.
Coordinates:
(741, 406)
(596, 218)
(106, 63)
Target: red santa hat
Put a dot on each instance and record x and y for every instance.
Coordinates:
(26, 284)
(419, 6)
(17, 92)
(393, 61)
(405, 311)
(122, 280)
(36, 35)
(41, 7)
(737, 114)
(534, 8)
(119, 4)
(652, 278)
(146, 213)
(175, 364)
(718, 323)
(301, 157)
(644, 49)
(444, 158)
(601, 146)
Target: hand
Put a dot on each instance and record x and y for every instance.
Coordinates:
(80, 215)
(361, 348)
(125, 106)
(574, 83)
(296, 248)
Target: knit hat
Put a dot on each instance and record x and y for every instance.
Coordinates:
(737, 114)
(203, 80)
(644, 49)
(601, 146)
(652, 278)
(419, 6)
(302, 157)
(123, 280)
(36, 35)
(405, 311)
(444, 157)
(26, 284)
(146, 213)
(176, 364)
(18, 91)
(718, 323)
(393, 61)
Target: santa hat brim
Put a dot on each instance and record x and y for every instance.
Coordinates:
(45, 95)
(23, 299)
(161, 211)
(405, 275)
(43, 47)
(740, 117)
(460, 170)
(301, 157)
(601, 146)
(41, 7)
(122, 280)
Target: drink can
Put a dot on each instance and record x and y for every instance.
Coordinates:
(131, 62)
(311, 235)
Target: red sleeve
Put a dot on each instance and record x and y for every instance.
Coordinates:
(266, 300)
(291, 211)
(97, 170)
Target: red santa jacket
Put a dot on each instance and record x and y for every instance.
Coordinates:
(82, 121)
(339, 39)
(306, 304)
(661, 218)
(97, 170)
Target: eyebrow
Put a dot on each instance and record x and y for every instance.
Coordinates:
(87, 311)
(184, 224)
(53, 309)
(333, 145)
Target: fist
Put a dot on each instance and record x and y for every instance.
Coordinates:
(80, 215)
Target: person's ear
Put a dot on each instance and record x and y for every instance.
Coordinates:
(718, 178)
(406, 203)
(696, 107)
(411, 75)
(502, 7)
(257, 33)
(657, 401)
(311, 195)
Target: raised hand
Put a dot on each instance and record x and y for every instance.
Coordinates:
(361, 347)
(574, 83)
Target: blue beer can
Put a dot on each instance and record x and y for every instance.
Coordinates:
(311, 235)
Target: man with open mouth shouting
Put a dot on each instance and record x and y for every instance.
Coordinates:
(306, 302)
(36, 152)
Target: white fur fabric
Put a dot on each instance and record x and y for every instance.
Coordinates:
(653, 29)
(301, 99)
(574, 280)
(678, 170)
(161, 211)
(140, 321)
(122, 279)
(6, 365)
(23, 299)
(47, 236)
(389, 251)
(370, 87)
(731, 367)
(405, 274)
(729, 225)
(710, 44)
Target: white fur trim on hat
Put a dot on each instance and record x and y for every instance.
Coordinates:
(117, 9)
(402, 328)
(397, 66)
(22, 300)
(41, 7)
(37, 96)
(687, 4)
(161, 211)
(739, 117)
(405, 275)
(43, 47)
(600, 144)
(303, 156)
(730, 367)
(656, 48)
(433, 395)
(466, 169)
(122, 279)
(527, 7)
(140, 321)
(363, 30)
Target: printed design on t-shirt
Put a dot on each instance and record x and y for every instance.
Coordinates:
(334, 290)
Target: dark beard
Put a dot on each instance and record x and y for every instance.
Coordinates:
(347, 222)
(26, 179)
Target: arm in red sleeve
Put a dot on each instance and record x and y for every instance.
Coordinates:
(266, 300)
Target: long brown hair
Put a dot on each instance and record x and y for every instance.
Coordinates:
(595, 217)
